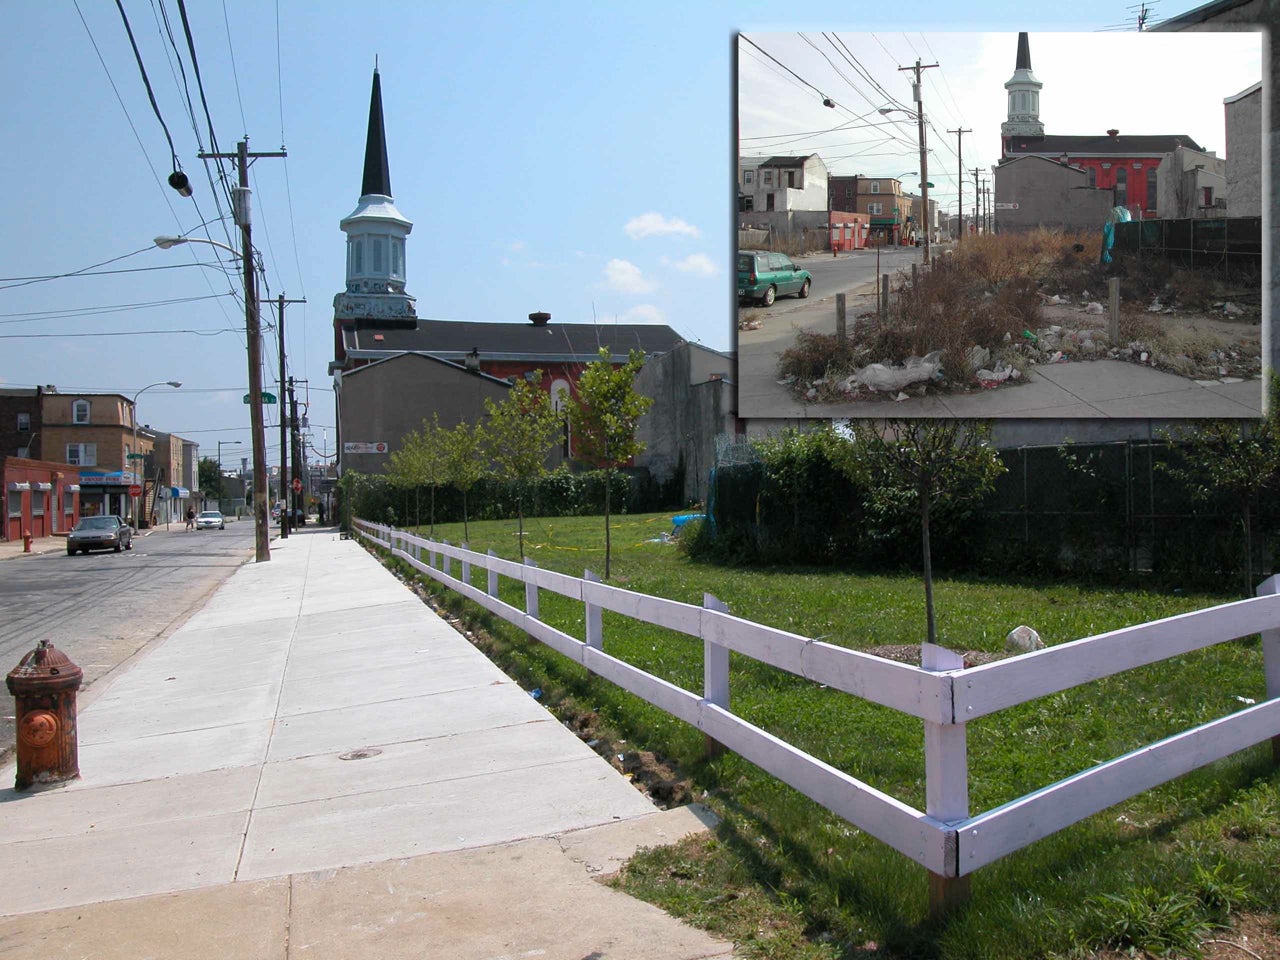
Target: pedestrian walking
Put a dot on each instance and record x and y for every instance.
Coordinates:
(191, 519)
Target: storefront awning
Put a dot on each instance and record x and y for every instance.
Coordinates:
(115, 478)
(19, 485)
(179, 493)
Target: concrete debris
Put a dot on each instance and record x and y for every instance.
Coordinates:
(889, 379)
(1022, 639)
(1093, 307)
(1231, 310)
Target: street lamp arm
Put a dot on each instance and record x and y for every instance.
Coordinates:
(164, 243)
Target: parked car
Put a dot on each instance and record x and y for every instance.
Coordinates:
(99, 533)
(210, 519)
(764, 276)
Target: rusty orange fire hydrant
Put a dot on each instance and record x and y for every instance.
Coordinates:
(26, 541)
(44, 685)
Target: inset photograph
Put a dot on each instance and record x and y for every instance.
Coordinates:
(1000, 225)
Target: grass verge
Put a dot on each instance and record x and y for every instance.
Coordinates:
(783, 877)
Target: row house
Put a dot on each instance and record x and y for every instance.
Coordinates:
(782, 184)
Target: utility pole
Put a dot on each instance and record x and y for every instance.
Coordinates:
(284, 443)
(253, 333)
(960, 179)
(976, 197)
(924, 151)
(296, 499)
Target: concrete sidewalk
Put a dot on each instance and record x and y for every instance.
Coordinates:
(315, 762)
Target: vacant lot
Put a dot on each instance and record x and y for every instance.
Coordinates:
(785, 878)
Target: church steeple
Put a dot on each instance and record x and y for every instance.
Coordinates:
(376, 232)
(377, 174)
(1024, 96)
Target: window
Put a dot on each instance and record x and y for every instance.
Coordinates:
(68, 502)
(768, 201)
(1208, 196)
(397, 258)
(1093, 176)
(80, 411)
(82, 454)
(748, 176)
(875, 186)
(15, 503)
(875, 209)
(768, 178)
(1151, 190)
(24, 423)
(377, 255)
(791, 178)
(848, 193)
(357, 257)
(37, 503)
(1122, 187)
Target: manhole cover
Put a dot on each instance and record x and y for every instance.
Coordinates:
(362, 754)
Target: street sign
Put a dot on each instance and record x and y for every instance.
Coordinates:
(135, 456)
(297, 485)
(135, 491)
(1006, 206)
(352, 446)
(266, 397)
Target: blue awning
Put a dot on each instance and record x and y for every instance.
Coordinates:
(179, 493)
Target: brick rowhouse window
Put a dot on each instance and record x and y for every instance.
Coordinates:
(1151, 190)
(80, 411)
(24, 423)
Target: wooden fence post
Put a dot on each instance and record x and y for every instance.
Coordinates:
(493, 578)
(715, 674)
(446, 562)
(946, 786)
(595, 625)
(1271, 659)
(530, 592)
(884, 297)
(841, 336)
(1113, 311)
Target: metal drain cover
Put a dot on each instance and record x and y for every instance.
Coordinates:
(363, 753)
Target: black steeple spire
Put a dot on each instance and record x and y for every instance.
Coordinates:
(377, 175)
(1024, 59)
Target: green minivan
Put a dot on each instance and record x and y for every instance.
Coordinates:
(764, 276)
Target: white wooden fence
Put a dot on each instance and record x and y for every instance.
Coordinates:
(945, 838)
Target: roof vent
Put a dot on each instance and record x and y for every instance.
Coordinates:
(1113, 132)
(540, 319)
(472, 360)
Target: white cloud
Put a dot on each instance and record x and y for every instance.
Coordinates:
(644, 313)
(698, 263)
(656, 225)
(517, 246)
(625, 276)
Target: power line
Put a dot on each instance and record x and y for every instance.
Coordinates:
(75, 313)
(120, 333)
(146, 82)
(103, 273)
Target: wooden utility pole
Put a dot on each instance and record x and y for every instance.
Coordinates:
(924, 151)
(977, 196)
(253, 333)
(960, 179)
(284, 443)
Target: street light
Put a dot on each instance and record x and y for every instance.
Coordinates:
(262, 541)
(133, 451)
(924, 158)
(221, 489)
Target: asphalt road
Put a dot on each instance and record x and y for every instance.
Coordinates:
(103, 607)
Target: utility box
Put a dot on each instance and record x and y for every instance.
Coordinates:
(44, 685)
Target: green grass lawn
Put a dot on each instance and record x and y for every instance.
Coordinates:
(783, 877)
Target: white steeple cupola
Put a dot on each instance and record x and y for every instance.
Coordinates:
(1024, 97)
(376, 233)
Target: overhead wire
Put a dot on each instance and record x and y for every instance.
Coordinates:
(76, 313)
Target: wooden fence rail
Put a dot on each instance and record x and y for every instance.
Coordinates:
(945, 838)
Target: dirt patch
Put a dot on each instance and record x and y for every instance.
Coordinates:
(910, 653)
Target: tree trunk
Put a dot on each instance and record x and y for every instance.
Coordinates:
(520, 514)
(417, 505)
(466, 529)
(608, 475)
(1248, 550)
(433, 510)
(928, 564)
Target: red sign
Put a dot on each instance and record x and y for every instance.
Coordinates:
(135, 491)
(297, 485)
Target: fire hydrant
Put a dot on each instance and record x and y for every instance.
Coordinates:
(26, 541)
(44, 685)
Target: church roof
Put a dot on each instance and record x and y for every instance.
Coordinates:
(554, 342)
(1132, 145)
(1024, 53)
(377, 174)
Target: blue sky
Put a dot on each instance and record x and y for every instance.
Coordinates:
(573, 158)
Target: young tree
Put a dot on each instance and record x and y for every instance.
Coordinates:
(924, 464)
(603, 418)
(522, 430)
(1239, 459)
(210, 481)
(421, 460)
(466, 463)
